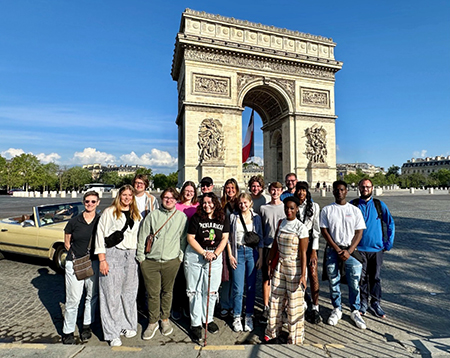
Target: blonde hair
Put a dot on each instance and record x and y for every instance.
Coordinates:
(245, 196)
(134, 211)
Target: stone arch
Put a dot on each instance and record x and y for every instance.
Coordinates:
(222, 65)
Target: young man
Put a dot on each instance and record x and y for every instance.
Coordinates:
(256, 188)
(145, 201)
(291, 181)
(206, 185)
(342, 225)
(372, 246)
(271, 214)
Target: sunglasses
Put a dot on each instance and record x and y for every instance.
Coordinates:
(90, 201)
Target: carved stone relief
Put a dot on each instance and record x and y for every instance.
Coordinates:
(314, 98)
(210, 141)
(316, 144)
(212, 85)
(257, 63)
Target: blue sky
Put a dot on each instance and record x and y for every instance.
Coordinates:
(89, 81)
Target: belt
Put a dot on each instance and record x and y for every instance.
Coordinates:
(210, 248)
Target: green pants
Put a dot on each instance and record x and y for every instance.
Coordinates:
(159, 278)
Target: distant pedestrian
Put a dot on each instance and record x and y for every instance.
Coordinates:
(79, 233)
(342, 225)
(317, 187)
(118, 283)
(372, 246)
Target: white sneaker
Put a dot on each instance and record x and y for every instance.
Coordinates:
(248, 326)
(356, 317)
(335, 316)
(128, 333)
(237, 324)
(116, 342)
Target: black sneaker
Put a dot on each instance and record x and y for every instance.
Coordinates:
(68, 338)
(86, 333)
(196, 334)
(213, 328)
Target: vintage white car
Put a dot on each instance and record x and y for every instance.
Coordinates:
(40, 233)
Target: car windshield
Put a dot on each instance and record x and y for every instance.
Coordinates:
(50, 214)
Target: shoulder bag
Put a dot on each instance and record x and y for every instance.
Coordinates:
(82, 266)
(251, 238)
(151, 237)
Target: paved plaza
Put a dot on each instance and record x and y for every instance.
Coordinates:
(416, 288)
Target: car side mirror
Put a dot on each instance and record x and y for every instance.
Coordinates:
(27, 223)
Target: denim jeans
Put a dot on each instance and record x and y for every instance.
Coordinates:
(196, 269)
(353, 274)
(74, 292)
(245, 273)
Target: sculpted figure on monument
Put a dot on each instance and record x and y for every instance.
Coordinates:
(210, 140)
(316, 144)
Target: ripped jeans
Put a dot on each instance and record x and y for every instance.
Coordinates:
(196, 270)
(352, 272)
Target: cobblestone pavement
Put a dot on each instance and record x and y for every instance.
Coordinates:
(416, 281)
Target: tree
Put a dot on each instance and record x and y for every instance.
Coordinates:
(75, 178)
(111, 178)
(172, 179)
(160, 181)
(441, 177)
(48, 176)
(3, 171)
(24, 170)
(145, 171)
(393, 170)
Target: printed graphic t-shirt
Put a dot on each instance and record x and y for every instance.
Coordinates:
(208, 232)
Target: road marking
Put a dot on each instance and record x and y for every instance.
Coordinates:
(336, 345)
(126, 349)
(22, 346)
(221, 348)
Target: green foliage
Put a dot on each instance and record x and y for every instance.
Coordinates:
(441, 177)
(75, 178)
(393, 170)
(414, 180)
(145, 171)
(172, 179)
(160, 181)
(25, 171)
(111, 178)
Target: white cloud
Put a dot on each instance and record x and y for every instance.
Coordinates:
(337, 148)
(92, 156)
(421, 154)
(43, 158)
(156, 158)
(11, 153)
(48, 158)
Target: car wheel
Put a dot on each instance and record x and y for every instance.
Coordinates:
(59, 258)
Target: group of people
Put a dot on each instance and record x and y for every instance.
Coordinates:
(193, 253)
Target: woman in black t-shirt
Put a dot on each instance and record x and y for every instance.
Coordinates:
(78, 234)
(207, 237)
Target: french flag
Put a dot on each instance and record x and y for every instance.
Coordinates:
(248, 149)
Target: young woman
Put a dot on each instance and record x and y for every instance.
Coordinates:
(244, 260)
(188, 199)
(229, 203)
(78, 234)
(308, 214)
(160, 266)
(289, 274)
(187, 204)
(118, 267)
(207, 237)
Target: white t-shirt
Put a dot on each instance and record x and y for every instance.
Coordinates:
(141, 201)
(341, 222)
(294, 227)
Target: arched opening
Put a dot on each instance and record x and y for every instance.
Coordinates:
(271, 110)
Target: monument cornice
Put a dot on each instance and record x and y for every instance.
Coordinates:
(231, 21)
(300, 65)
(316, 118)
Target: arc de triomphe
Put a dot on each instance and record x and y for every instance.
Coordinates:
(223, 65)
